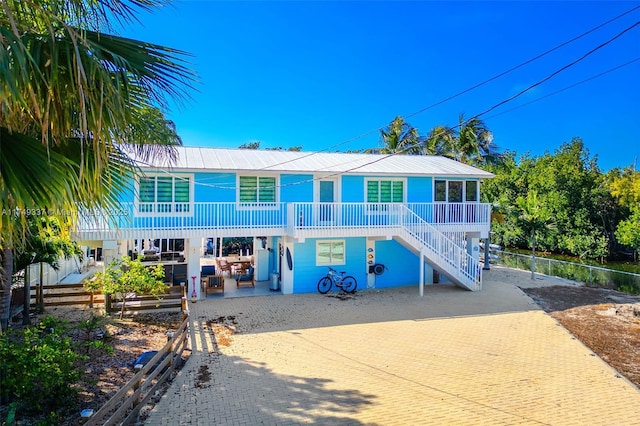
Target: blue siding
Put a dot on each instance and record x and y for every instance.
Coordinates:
(307, 274)
(214, 187)
(296, 188)
(403, 267)
(419, 190)
(352, 189)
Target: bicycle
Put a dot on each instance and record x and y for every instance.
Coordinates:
(347, 284)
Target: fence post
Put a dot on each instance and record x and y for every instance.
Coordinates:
(590, 275)
(549, 267)
(40, 300)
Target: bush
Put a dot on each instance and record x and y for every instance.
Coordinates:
(38, 368)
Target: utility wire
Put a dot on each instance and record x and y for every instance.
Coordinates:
(593, 77)
(495, 77)
(511, 98)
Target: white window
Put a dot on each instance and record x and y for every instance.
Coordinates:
(330, 252)
(385, 190)
(257, 189)
(456, 191)
(164, 195)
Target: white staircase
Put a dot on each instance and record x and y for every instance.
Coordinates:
(447, 255)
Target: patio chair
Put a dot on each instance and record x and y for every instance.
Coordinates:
(213, 284)
(224, 266)
(246, 277)
(207, 270)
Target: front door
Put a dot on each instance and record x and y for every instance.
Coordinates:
(326, 195)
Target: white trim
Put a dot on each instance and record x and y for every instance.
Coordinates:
(330, 263)
(395, 179)
(446, 189)
(154, 213)
(268, 205)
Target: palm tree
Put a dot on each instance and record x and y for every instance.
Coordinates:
(441, 140)
(74, 100)
(399, 137)
(469, 142)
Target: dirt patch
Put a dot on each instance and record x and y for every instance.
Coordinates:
(104, 371)
(223, 328)
(204, 377)
(606, 321)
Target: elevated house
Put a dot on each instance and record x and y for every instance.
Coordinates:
(388, 220)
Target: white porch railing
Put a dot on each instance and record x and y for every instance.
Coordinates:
(442, 251)
(201, 216)
(435, 229)
(285, 216)
(452, 213)
(445, 251)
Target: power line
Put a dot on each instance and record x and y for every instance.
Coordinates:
(558, 71)
(511, 98)
(610, 70)
(567, 87)
(495, 77)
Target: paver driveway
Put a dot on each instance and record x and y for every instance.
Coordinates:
(392, 358)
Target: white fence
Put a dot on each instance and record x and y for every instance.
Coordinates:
(49, 275)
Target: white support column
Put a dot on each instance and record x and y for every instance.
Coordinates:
(421, 280)
(473, 247)
(371, 278)
(109, 250)
(192, 255)
(286, 277)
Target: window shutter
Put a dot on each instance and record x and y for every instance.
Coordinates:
(398, 191)
(372, 191)
(248, 189)
(182, 190)
(385, 191)
(147, 190)
(165, 189)
(267, 190)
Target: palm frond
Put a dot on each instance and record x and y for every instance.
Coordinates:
(32, 180)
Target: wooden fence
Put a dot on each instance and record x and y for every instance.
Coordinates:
(75, 294)
(124, 407)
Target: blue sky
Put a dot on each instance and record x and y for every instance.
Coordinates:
(320, 74)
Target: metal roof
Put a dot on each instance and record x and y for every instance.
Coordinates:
(218, 159)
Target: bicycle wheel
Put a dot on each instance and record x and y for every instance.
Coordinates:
(324, 285)
(349, 284)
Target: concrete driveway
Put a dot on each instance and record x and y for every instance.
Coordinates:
(389, 357)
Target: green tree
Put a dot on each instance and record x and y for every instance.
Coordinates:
(256, 145)
(250, 145)
(628, 232)
(399, 137)
(569, 186)
(126, 277)
(535, 220)
(46, 241)
(76, 103)
(625, 186)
